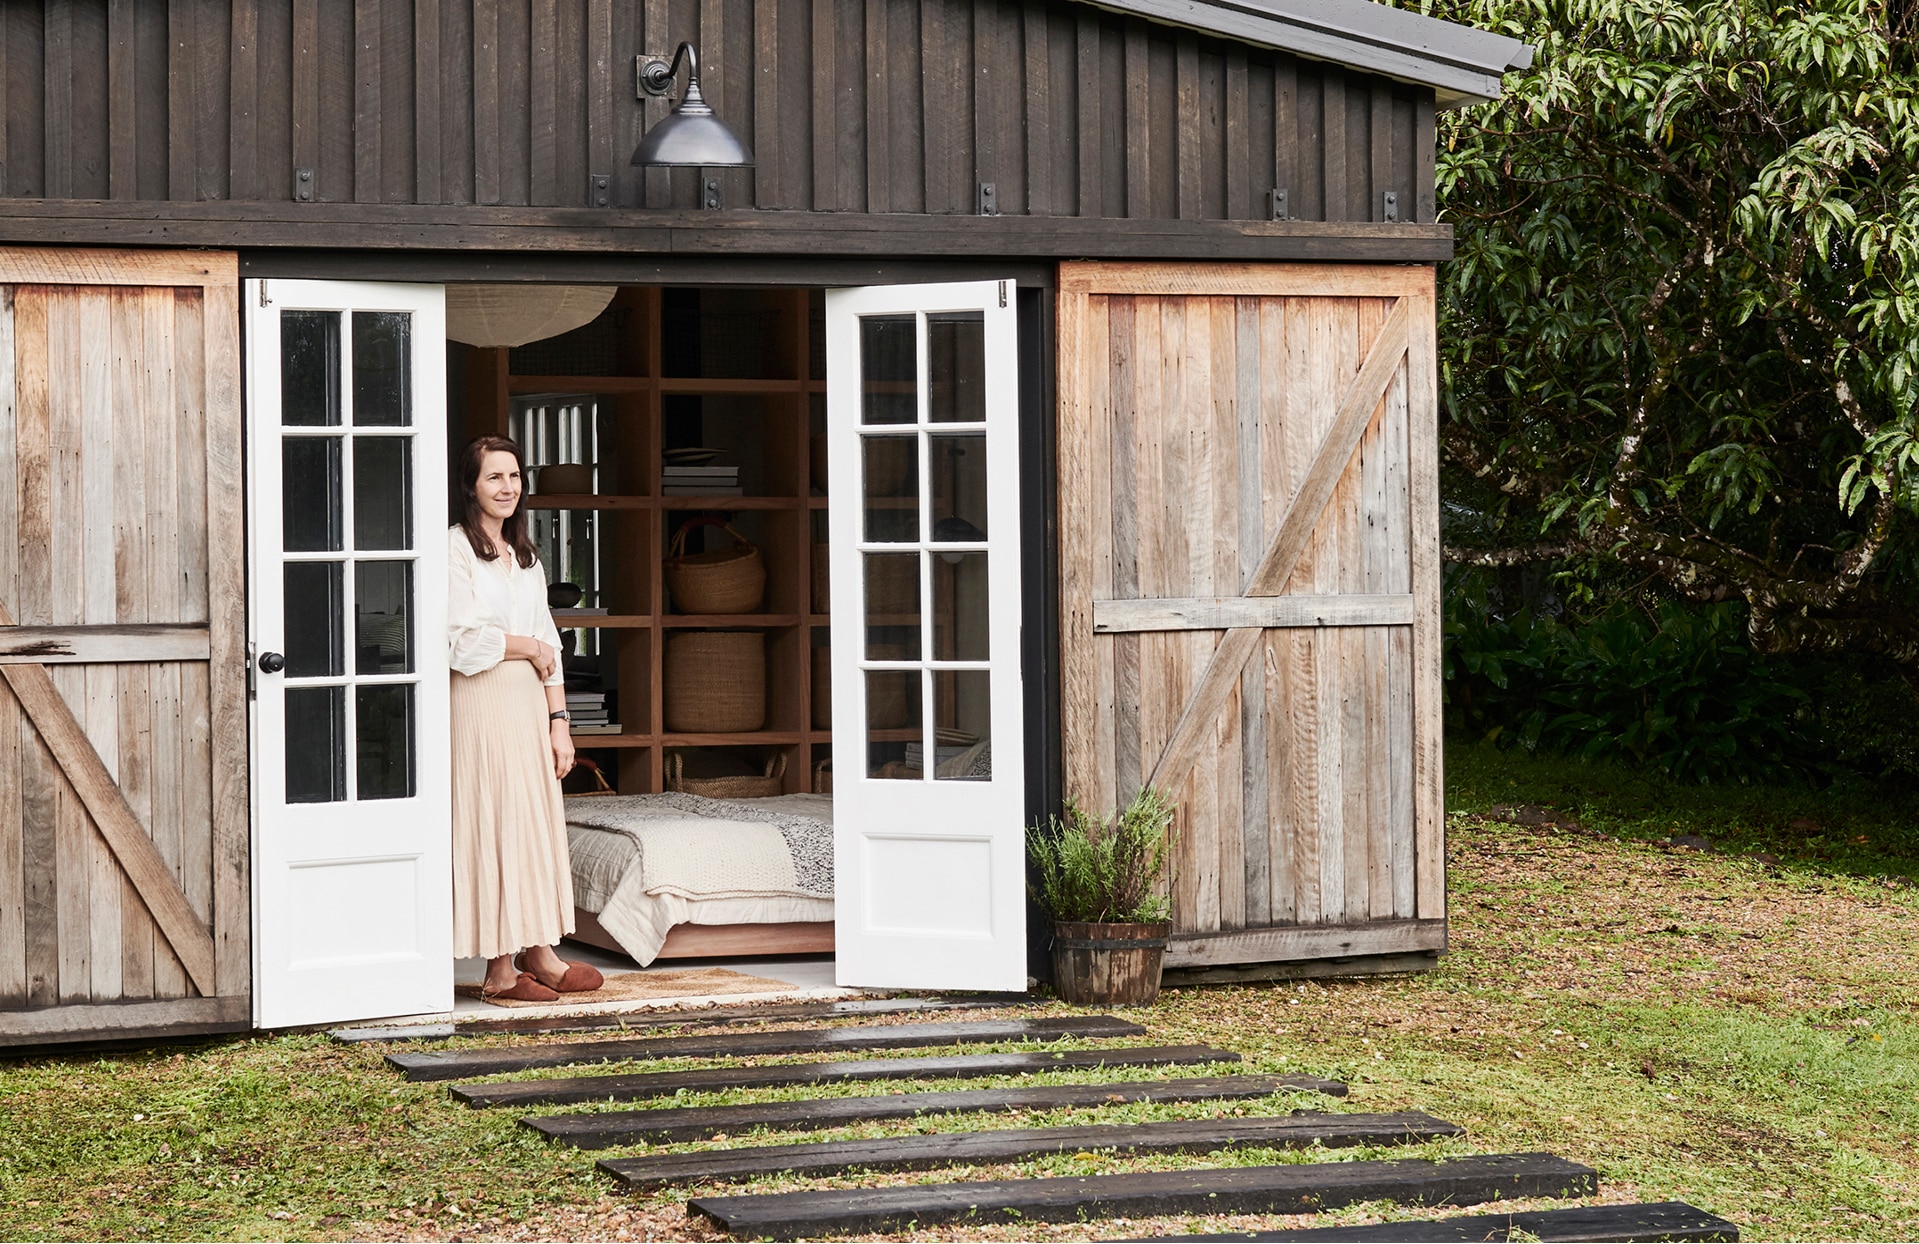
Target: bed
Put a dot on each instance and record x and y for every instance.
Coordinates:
(675, 876)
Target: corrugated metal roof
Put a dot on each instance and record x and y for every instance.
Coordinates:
(1461, 63)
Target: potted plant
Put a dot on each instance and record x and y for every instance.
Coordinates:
(1099, 881)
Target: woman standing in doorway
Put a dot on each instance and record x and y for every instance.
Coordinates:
(512, 886)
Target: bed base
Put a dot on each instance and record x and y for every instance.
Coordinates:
(718, 941)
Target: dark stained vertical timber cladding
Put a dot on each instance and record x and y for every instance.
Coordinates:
(457, 151)
(853, 106)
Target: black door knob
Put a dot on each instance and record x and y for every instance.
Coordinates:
(272, 662)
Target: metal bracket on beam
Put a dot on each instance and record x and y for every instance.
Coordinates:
(988, 201)
(599, 190)
(303, 185)
(1389, 206)
(1276, 208)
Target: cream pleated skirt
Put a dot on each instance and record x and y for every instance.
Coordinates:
(512, 887)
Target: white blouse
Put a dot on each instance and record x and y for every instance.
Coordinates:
(487, 601)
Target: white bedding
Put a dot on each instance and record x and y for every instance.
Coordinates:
(644, 863)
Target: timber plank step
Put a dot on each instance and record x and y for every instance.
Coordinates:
(1290, 1189)
(605, 1129)
(1584, 1224)
(918, 1153)
(458, 1064)
(669, 1017)
(641, 1085)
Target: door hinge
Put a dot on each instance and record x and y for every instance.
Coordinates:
(1002, 293)
(264, 300)
(250, 645)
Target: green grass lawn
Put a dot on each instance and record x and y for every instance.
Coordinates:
(1725, 1027)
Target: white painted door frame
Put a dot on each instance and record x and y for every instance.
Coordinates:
(923, 448)
(346, 454)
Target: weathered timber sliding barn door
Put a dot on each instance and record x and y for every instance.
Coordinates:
(1249, 558)
(123, 744)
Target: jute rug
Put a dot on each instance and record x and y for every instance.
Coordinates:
(643, 986)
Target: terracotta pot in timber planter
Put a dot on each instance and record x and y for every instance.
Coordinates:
(1108, 964)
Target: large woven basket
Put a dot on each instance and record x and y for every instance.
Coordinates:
(764, 786)
(892, 584)
(728, 580)
(715, 681)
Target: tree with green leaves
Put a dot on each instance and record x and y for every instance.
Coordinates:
(1680, 337)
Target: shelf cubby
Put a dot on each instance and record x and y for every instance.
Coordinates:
(739, 370)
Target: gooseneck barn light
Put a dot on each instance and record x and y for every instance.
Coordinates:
(692, 135)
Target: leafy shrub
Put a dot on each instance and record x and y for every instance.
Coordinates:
(1866, 719)
(1681, 691)
(1103, 872)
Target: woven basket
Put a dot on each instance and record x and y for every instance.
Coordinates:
(763, 787)
(892, 585)
(823, 777)
(715, 682)
(730, 580)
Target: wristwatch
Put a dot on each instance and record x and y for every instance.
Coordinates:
(562, 715)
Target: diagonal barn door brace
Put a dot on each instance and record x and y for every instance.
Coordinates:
(141, 861)
(1289, 543)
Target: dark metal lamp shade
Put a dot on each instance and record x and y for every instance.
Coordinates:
(692, 136)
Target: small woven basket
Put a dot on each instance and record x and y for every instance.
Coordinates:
(715, 682)
(823, 777)
(728, 580)
(764, 786)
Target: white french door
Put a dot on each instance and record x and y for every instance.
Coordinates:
(352, 851)
(922, 430)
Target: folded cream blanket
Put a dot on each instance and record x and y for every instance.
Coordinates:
(700, 848)
(644, 863)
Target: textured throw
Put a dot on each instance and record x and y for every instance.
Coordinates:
(768, 851)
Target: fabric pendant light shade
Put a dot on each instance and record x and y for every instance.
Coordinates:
(512, 315)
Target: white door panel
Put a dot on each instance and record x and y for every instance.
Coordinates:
(347, 502)
(929, 793)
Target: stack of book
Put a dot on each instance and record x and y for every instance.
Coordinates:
(589, 713)
(700, 481)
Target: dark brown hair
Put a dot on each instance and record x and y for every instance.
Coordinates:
(514, 528)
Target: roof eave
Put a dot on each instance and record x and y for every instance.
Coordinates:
(1455, 83)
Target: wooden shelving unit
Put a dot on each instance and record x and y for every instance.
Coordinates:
(783, 516)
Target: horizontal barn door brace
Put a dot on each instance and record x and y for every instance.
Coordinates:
(1355, 413)
(139, 859)
(1221, 613)
(104, 645)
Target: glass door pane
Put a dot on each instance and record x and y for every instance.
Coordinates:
(922, 425)
(347, 502)
(923, 493)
